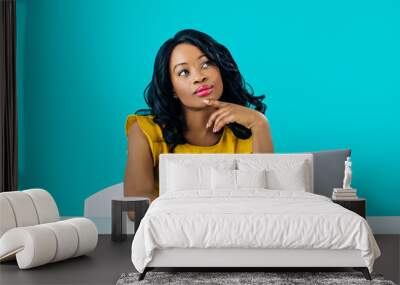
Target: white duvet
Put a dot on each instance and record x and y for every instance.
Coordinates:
(250, 218)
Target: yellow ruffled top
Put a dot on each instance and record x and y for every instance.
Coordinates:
(228, 142)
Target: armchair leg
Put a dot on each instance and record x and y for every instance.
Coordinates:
(364, 271)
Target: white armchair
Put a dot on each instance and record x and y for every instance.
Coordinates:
(31, 231)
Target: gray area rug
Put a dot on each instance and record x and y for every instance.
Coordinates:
(225, 278)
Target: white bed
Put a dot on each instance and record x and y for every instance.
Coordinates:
(282, 224)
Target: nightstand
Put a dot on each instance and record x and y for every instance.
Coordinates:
(357, 206)
(121, 204)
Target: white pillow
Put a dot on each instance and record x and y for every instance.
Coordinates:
(223, 179)
(282, 174)
(187, 176)
(236, 179)
(251, 178)
(293, 178)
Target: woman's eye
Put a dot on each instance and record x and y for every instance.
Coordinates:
(207, 63)
(183, 70)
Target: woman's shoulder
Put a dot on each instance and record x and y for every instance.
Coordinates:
(140, 119)
(151, 130)
(146, 124)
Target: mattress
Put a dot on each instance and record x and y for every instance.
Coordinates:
(255, 218)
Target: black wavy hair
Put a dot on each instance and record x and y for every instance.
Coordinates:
(159, 92)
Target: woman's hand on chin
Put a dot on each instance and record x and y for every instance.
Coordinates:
(229, 112)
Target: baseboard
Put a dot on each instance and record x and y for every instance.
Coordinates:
(384, 224)
(378, 224)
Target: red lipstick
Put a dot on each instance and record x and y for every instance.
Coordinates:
(203, 90)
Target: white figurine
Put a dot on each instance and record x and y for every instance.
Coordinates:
(347, 174)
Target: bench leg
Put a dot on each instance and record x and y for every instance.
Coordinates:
(364, 271)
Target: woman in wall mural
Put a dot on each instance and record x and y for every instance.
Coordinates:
(198, 103)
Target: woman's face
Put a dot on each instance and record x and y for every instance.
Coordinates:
(190, 69)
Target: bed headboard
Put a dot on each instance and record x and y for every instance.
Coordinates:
(264, 159)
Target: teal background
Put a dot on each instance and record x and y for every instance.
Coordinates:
(330, 70)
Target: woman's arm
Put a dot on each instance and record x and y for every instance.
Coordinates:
(256, 121)
(262, 139)
(139, 176)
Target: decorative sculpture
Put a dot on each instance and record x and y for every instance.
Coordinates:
(347, 174)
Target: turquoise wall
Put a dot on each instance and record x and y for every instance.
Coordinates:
(330, 71)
